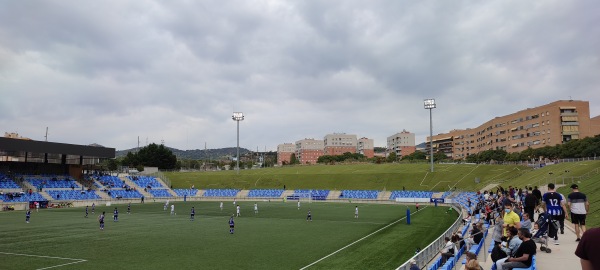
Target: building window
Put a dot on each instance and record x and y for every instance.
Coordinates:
(547, 113)
(542, 114)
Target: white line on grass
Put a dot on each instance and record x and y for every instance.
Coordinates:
(49, 267)
(49, 257)
(333, 253)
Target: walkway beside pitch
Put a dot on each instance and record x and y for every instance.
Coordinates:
(561, 257)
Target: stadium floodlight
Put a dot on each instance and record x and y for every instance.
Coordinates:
(430, 105)
(238, 116)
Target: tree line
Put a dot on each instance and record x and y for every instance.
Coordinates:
(586, 147)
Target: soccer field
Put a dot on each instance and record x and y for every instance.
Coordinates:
(278, 237)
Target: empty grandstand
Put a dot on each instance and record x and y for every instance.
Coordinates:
(359, 194)
(221, 192)
(185, 192)
(265, 193)
(313, 194)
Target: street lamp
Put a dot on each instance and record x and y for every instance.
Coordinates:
(430, 105)
(238, 116)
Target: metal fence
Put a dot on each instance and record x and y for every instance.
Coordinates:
(430, 252)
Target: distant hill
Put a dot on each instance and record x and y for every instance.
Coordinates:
(196, 154)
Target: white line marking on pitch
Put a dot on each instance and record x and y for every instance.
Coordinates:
(49, 257)
(61, 265)
(333, 253)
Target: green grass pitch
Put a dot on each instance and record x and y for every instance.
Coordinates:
(278, 237)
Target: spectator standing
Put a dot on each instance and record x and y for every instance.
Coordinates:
(579, 207)
(530, 203)
(587, 249)
(554, 205)
(498, 230)
(537, 193)
(511, 219)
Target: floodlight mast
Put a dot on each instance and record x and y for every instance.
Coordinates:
(238, 116)
(430, 105)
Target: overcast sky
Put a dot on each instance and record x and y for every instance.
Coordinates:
(107, 72)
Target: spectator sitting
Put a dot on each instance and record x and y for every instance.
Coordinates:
(467, 219)
(472, 261)
(476, 236)
(448, 250)
(413, 265)
(510, 249)
(523, 256)
(526, 223)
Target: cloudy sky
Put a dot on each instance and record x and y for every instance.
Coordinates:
(109, 71)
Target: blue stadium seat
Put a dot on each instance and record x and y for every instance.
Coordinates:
(160, 192)
(315, 194)
(410, 194)
(265, 193)
(146, 181)
(111, 181)
(131, 194)
(185, 192)
(23, 197)
(7, 183)
(49, 183)
(221, 192)
(73, 195)
(359, 194)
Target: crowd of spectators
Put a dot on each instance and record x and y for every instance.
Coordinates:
(511, 213)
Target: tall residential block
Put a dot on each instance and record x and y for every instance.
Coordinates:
(284, 153)
(547, 125)
(402, 143)
(308, 151)
(339, 143)
(366, 147)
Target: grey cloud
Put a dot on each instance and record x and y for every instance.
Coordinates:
(177, 70)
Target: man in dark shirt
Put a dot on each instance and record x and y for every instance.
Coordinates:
(524, 255)
(537, 193)
(587, 249)
(530, 203)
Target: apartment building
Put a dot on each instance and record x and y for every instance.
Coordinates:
(366, 147)
(284, 153)
(547, 125)
(402, 143)
(595, 125)
(339, 143)
(308, 151)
